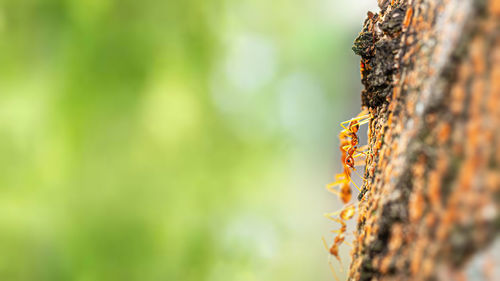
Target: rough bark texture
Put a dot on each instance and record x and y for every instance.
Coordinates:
(430, 203)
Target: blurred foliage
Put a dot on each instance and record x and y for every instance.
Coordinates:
(170, 140)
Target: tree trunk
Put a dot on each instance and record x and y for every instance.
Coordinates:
(429, 208)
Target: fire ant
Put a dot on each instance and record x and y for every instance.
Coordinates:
(345, 214)
(348, 148)
(352, 147)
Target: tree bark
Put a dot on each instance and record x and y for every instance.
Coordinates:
(429, 208)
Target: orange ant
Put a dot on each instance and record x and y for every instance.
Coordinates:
(352, 147)
(346, 214)
(353, 128)
(348, 148)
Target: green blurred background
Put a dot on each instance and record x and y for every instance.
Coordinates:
(172, 140)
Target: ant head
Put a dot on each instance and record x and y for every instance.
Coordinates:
(349, 161)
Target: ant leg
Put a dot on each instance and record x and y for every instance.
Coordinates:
(359, 160)
(359, 155)
(335, 183)
(363, 150)
(364, 121)
(348, 207)
(333, 270)
(340, 262)
(325, 244)
(342, 223)
(357, 118)
(333, 190)
(341, 176)
(329, 216)
(346, 147)
(365, 180)
(355, 185)
(346, 235)
(340, 179)
(347, 131)
(364, 147)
